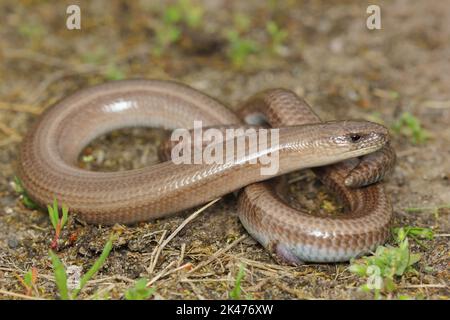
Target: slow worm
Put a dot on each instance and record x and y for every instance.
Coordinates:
(47, 167)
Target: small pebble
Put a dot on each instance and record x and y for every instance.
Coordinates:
(13, 243)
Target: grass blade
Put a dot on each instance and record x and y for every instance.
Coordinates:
(65, 215)
(95, 267)
(235, 294)
(52, 216)
(60, 276)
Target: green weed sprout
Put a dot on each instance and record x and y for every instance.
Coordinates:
(387, 263)
(409, 126)
(415, 233)
(277, 36)
(169, 29)
(18, 187)
(239, 48)
(58, 222)
(235, 294)
(61, 275)
(139, 291)
(114, 73)
(29, 280)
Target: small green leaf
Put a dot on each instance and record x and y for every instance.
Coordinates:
(60, 276)
(28, 278)
(414, 258)
(18, 185)
(389, 284)
(240, 48)
(172, 15)
(139, 291)
(401, 234)
(53, 216)
(359, 269)
(386, 264)
(421, 233)
(408, 125)
(65, 215)
(28, 202)
(55, 209)
(114, 73)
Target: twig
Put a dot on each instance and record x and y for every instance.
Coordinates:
(181, 257)
(161, 274)
(177, 230)
(289, 290)
(267, 266)
(206, 280)
(155, 250)
(259, 285)
(18, 295)
(411, 286)
(299, 178)
(218, 253)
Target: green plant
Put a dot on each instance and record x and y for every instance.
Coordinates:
(139, 291)
(277, 36)
(61, 275)
(29, 280)
(409, 126)
(114, 73)
(18, 187)
(167, 32)
(169, 29)
(58, 222)
(385, 265)
(415, 233)
(235, 294)
(239, 48)
(191, 13)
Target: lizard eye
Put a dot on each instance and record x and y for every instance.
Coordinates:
(355, 137)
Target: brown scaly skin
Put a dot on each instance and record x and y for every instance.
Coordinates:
(296, 236)
(47, 166)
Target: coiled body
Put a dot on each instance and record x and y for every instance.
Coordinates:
(48, 155)
(298, 236)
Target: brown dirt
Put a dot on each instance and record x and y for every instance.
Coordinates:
(343, 69)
